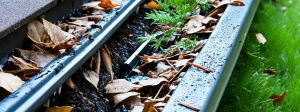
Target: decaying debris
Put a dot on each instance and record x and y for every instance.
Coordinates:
(269, 71)
(277, 99)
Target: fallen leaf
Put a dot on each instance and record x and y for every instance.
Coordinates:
(83, 22)
(161, 67)
(269, 71)
(238, 3)
(106, 58)
(117, 2)
(181, 63)
(194, 25)
(188, 106)
(152, 5)
(41, 58)
(117, 98)
(137, 109)
(148, 104)
(118, 86)
(8, 84)
(59, 109)
(152, 81)
(70, 83)
(93, 5)
(36, 31)
(90, 18)
(107, 4)
(277, 99)
(219, 9)
(155, 56)
(132, 101)
(260, 38)
(79, 31)
(57, 35)
(152, 109)
(92, 77)
(159, 104)
(168, 74)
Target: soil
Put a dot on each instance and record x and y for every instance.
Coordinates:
(121, 45)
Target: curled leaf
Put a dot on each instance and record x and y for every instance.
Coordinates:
(238, 3)
(117, 98)
(36, 31)
(9, 83)
(152, 81)
(59, 109)
(118, 86)
(92, 77)
(41, 58)
(277, 99)
(70, 83)
(105, 57)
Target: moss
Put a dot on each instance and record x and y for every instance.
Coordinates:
(245, 92)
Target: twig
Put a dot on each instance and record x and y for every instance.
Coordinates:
(158, 91)
(177, 74)
(92, 60)
(207, 70)
(171, 65)
(188, 106)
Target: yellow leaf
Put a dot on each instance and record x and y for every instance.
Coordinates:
(59, 109)
(153, 5)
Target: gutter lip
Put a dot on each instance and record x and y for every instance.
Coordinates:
(39, 88)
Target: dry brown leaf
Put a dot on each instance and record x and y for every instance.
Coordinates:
(9, 83)
(79, 31)
(36, 31)
(219, 9)
(159, 104)
(161, 67)
(277, 99)
(181, 63)
(91, 18)
(148, 104)
(194, 25)
(107, 63)
(98, 62)
(59, 109)
(152, 5)
(70, 83)
(93, 5)
(41, 58)
(107, 4)
(260, 38)
(152, 109)
(118, 86)
(117, 98)
(57, 35)
(92, 77)
(34, 47)
(152, 81)
(132, 101)
(83, 22)
(168, 74)
(238, 3)
(269, 71)
(137, 109)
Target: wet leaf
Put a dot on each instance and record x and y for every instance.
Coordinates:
(277, 99)
(152, 5)
(107, 4)
(260, 38)
(59, 109)
(41, 58)
(92, 77)
(152, 81)
(118, 86)
(238, 3)
(9, 83)
(117, 98)
(57, 35)
(36, 31)
(106, 58)
(269, 71)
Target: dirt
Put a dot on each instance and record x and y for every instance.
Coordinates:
(121, 45)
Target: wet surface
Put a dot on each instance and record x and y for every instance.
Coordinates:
(121, 45)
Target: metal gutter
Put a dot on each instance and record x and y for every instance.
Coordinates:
(39, 88)
(220, 54)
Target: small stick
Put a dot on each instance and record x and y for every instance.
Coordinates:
(92, 60)
(177, 74)
(158, 91)
(188, 106)
(171, 65)
(207, 70)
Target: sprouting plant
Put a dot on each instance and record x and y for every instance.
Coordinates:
(189, 43)
(204, 5)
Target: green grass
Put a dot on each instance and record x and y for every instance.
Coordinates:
(245, 92)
